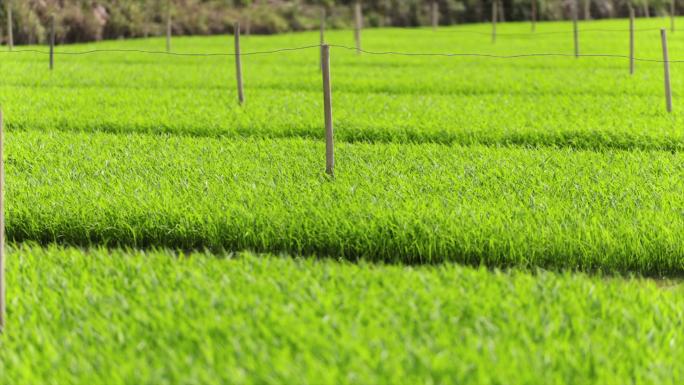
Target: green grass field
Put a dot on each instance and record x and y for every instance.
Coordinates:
(116, 317)
(553, 101)
(492, 220)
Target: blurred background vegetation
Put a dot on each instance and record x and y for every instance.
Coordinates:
(88, 20)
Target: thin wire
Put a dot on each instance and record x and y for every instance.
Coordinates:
(94, 51)
(492, 56)
(517, 56)
(532, 34)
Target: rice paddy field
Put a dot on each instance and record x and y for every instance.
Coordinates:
(492, 219)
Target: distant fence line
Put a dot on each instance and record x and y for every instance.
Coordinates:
(534, 34)
(325, 67)
(117, 50)
(359, 49)
(369, 52)
(349, 48)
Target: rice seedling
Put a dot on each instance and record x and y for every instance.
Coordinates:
(122, 317)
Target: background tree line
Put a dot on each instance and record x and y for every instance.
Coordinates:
(88, 20)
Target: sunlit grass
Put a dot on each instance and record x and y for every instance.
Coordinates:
(114, 317)
(588, 102)
(413, 203)
(566, 164)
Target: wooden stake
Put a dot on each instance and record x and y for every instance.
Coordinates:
(666, 64)
(52, 42)
(672, 16)
(322, 25)
(434, 8)
(322, 38)
(327, 106)
(238, 65)
(534, 15)
(10, 33)
(631, 41)
(494, 8)
(574, 29)
(146, 25)
(3, 308)
(168, 27)
(358, 17)
(587, 9)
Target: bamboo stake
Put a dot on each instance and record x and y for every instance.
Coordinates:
(10, 32)
(146, 25)
(587, 9)
(52, 42)
(3, 294)
(494, 9)
(631, 41)
(327, 105)
(358, 25)
(666, 65)
(322, 38)
(238, 65)
(168, 26)
(575, 31)
(434, 8)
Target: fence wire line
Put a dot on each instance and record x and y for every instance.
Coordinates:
(394, 53)
(494, 56)
(94, 51)
(533, 34)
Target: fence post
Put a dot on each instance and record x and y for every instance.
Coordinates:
(587, 9)
(434, 8)
(52, 42)
(3, 309)
(534, 15)
(10, 33)
(168, 26)
(575, 32)
(666, 64)
(494, 8)
(322, 39)
(238, 65)
(327, 106)
(146, 26)
(672, 16)
(631, 40)
(358, 17)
